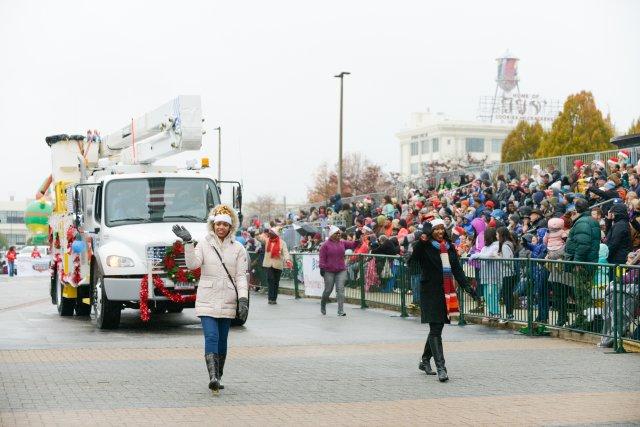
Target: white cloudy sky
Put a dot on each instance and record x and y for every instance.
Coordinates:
(265, 72)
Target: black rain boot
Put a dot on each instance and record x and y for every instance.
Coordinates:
(438, 357)
(425, 363)
(212, 360)
(222, 358)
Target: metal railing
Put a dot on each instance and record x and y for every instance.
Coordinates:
(562, 163)
(602, 299)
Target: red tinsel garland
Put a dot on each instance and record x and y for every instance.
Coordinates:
(76, 277)
(158, 283)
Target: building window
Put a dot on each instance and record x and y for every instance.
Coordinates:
(414, 168)
(496, 145)
(414, 148)
(424, 146)
(475, 145)
(435, 145)
(16, 239)
(11, 217)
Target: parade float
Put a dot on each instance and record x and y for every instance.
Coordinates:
(114, 207)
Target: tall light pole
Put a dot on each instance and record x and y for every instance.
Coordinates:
(219, 129)
(341, 77)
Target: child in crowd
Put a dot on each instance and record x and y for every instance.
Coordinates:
(540, 274)
(489, 271)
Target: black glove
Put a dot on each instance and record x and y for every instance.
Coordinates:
(243, 308)
(468, 289)
(322, 272)
(182, 233)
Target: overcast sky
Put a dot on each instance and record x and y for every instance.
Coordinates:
(265, 72)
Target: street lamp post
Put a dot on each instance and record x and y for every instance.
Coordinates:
(219, 129)
(341, 77)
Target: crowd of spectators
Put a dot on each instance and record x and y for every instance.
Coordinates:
(590, 215)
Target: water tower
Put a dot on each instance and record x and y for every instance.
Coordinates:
(506, 79)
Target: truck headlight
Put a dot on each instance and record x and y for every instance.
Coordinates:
(119, 261)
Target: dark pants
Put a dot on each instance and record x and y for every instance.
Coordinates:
(508, 285)
(273, 278)
(540, 276)
(561, 293)
(435, 330)
(216, 332)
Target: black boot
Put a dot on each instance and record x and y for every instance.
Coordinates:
(425, 363)
(213, 361)
(222, 358)
(438, 356)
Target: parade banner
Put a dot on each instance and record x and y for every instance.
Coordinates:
(313, 281)
(33, 267)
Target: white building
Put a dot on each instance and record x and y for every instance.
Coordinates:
(436, 137)
(12, 225)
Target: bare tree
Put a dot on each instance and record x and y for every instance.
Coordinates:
(360, 176)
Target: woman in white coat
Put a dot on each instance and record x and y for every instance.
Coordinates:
(220, 289)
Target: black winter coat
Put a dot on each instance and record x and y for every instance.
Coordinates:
(619, 235)
(432, 301)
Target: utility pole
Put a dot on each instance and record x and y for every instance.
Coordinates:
(219, 129)
(341, 77)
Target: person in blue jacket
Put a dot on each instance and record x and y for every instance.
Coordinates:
(540, 274)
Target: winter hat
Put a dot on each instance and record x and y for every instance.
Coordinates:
(436, 222)
(459, 230)
(538, 196)
(489, 204)
(556, 224)
(624, 155)
(610, 185)
(578, 163)
(497, 214)
(613, 161)
(333, 230)
(541, 232)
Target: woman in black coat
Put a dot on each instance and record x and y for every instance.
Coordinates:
(433, 252)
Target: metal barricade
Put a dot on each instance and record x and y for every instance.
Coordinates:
(600, 299)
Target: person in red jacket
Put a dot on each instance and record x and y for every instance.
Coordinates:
(11, 259)
(35, 253)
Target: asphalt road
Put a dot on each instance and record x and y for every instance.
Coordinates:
(292, 366)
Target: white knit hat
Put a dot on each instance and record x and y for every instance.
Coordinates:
(333, 230)
(436, 222)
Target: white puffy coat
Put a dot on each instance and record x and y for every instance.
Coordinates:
(216, 296)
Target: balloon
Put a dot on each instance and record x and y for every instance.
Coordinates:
(78, 246)
(36, 216)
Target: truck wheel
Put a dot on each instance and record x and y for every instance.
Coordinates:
(65, 305)
(52, 291)
(106, 313)
(239, 322)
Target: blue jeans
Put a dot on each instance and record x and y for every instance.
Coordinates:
(216, 332)
(11, 269)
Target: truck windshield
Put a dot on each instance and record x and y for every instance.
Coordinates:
(144, 200)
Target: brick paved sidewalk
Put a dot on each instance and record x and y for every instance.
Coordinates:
(293, 366)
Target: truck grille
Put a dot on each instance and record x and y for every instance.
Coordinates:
(155, 255)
